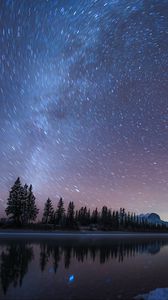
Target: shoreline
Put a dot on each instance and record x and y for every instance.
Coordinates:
(71, 234)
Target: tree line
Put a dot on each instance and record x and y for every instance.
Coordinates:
(22, 210)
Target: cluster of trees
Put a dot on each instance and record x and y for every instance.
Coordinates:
(22, 209)
(59, 216)
(106, 219)
(21, 206)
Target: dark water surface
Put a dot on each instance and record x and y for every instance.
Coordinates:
(82, 267)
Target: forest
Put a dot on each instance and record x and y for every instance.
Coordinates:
(22, 212)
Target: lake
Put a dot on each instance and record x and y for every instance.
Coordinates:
(82, 267)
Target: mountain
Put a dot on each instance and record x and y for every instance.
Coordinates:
(152, 218)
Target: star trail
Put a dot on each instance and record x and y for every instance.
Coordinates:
(83, 101)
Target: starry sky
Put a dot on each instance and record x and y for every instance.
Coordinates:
(83, 101)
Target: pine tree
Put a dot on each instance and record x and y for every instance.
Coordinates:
(117, 220)
(83, 216)
(70, 214)
(122, 216)
(14, 202)
(104, 216)
(77, 217)
(94, 217)
(80, 215)
(109, 218)
(48, 212)
(21, 205)
(24, 193)
(88, 217)
(31, 208)
(60, 212)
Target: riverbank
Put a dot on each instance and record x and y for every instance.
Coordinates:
(66, 234)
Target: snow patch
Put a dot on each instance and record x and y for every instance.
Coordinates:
(158, 294)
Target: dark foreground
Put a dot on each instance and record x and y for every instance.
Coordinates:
(73, 265)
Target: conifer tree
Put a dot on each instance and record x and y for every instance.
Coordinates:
(94, 217)
(24, 204)
(117, 219)
(109, 218)
(60, 212)
(77, 216)
(48, 212)
(31, 208)
(104, 215)
(84, 216)
(14, 202)
(70, 214)
(21, 207)
(122, 216)
(88, 217)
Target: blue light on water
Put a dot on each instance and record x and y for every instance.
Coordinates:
(71, 278)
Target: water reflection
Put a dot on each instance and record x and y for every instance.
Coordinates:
(16, 255)
(102, 251)
(14, 261)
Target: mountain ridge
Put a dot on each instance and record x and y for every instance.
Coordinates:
(152, 218)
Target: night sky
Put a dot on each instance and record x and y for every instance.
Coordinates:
(83, 101)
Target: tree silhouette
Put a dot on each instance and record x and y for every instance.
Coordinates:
(94, 216)
(60, 213)
(31, 208)
(104, 216)
(48, 212)
(70, 220)
(14, 202)
(21, 207)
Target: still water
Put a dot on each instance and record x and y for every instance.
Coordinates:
(82, 267)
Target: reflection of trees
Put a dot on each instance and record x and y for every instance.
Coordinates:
(16, 256)
(56, 257)
(44, 256)
(47, 250)
(102, 251)
(14, 264)
(67, 256)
